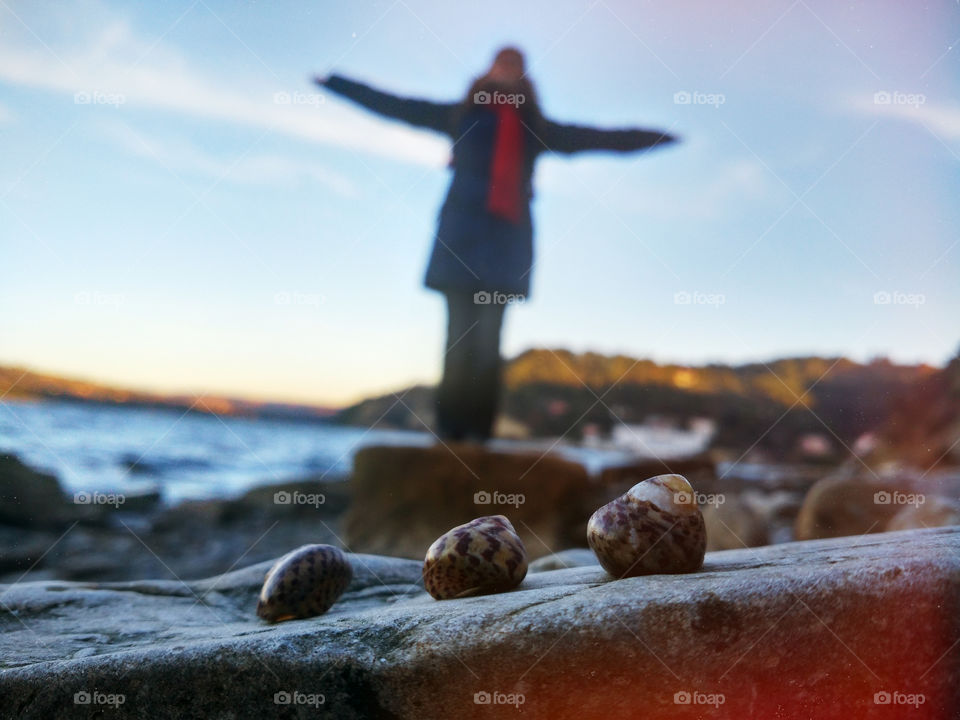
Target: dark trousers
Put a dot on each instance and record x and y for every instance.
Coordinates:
(469, 392)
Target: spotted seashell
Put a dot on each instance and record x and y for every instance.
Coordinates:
(482, 556)
(304, 583)
(654, 527)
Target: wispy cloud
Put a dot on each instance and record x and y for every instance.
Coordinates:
(940, 118)
(180, 156)
(112, 59)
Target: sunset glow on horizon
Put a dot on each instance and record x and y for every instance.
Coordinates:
(181, 211)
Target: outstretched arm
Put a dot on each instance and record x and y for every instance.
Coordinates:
(574, 138)
(422, 113)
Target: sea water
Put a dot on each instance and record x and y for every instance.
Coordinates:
(93, 447)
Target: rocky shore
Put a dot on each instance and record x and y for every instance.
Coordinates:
(861, 627)
(399, 499)
(46, 534)
(103, 612)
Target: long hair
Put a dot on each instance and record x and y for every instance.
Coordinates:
(484, 88)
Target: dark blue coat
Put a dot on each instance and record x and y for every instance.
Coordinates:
(473, 249)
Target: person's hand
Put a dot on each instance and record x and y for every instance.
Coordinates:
(320, 80)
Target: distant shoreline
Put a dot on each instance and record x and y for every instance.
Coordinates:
(305, 413)
(792, 409)
(21, 384)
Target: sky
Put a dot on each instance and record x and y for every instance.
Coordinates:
(181, 211)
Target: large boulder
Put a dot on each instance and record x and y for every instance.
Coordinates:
(750, 518)
(701, 471)
(734, 524)
(933, 511)
(847, 505)
(857, 627)
(779, 510)
(404, 498)
(29, 498)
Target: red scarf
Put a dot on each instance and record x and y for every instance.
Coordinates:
(505, 196)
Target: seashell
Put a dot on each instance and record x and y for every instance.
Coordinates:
(479, 557)
(303, 583)
(654, 527)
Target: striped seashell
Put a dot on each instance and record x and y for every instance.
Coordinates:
(482, 556)
(654, 527)
(304, 583)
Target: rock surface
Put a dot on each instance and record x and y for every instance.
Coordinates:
(29, 498)
(934, 511)
(734, 524)
(821, 629)
(846, 505)
(139, 539)
(751, 518)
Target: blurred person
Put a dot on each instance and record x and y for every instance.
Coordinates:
(483, 247)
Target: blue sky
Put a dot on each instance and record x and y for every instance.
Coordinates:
(174, 216)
